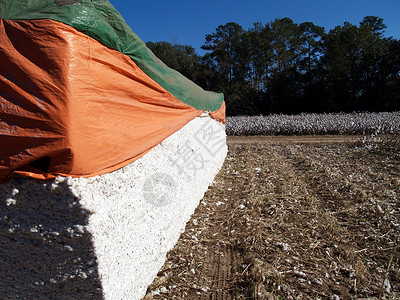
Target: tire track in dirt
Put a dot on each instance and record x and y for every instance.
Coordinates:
(221, 268)
(206, 256)
(218, 273)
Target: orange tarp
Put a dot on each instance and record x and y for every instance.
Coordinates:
(71, 106)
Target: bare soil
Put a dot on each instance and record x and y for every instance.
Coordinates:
(292, 218)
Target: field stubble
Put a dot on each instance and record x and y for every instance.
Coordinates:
(292, 220)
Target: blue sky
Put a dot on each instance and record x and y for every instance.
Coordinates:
(187, 22)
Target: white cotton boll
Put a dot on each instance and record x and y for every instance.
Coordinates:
(155, 292)
(387, 286)
(69, 248)
(10, 201)
(54, 186)
(14, 192)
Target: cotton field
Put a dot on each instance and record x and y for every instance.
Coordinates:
(332, 123)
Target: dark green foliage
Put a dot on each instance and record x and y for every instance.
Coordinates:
(284, 67)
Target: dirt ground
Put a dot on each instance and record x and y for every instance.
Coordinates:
(292, 218)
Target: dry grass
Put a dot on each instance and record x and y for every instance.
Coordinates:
(292, 221)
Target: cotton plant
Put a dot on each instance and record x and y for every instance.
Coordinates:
(364, 123)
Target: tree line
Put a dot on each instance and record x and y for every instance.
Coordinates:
(284, 67)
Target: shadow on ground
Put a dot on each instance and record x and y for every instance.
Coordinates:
(45, 250)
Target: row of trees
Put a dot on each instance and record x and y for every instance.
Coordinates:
(284, 67)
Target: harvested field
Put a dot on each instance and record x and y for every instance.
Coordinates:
(292, 219)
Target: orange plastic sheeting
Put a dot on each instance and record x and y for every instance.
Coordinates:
(219, 114)
(73, 107)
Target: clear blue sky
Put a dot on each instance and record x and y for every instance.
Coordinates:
(187, 22)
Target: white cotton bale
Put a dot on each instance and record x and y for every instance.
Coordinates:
(105, 237)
